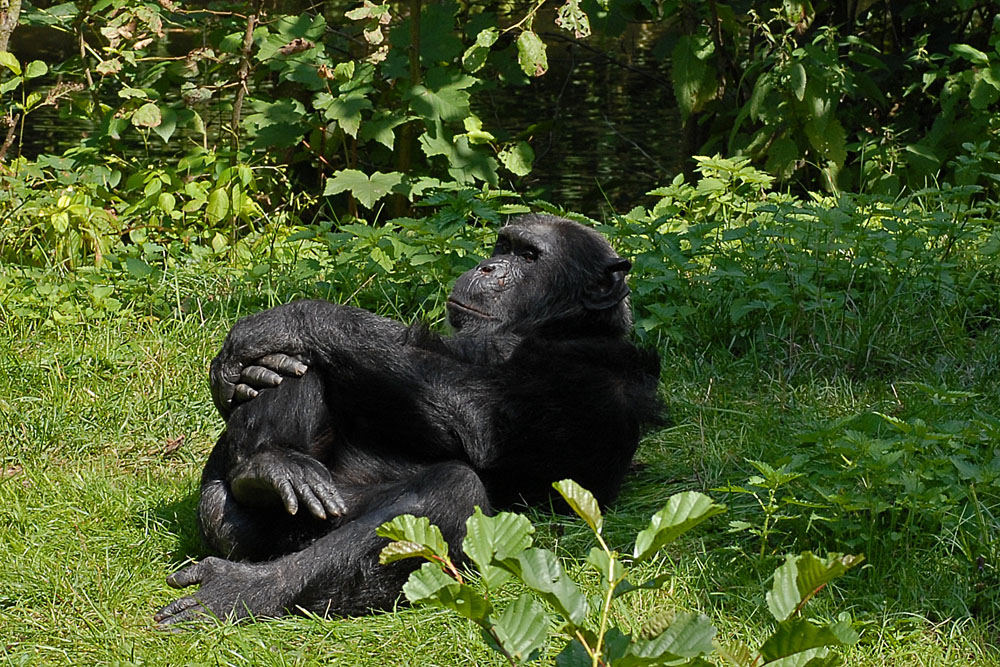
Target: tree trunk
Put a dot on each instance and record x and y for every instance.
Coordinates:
(10, 10)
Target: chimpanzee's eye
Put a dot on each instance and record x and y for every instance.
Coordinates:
(528, 254)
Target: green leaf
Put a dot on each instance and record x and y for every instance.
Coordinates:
(148, 115)
(10, 84)
(518, 158)
(655, 583)
(137, 267)
(828, 138)
(801, 576)
(501, 537)
(572, 18)
(695, 82)
(531, 54)
(366, 189)
(689, 635)
(218, 205)
(380, 128)
(522, 628)
(35, 69)
(8, 60)
(430, 585)
(346, 110)
(798, 81)
(443, 96)
(574, 655)
(541, 571)
(610, 567)
(475, 56)
(799, 634)
(465, 163)
(983, 93)
(402, 550)
(683, 512)
(970, 53)
(168, 123)
(416, 530)
(166, 202)
(582, 502)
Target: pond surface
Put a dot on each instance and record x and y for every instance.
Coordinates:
(613, 131)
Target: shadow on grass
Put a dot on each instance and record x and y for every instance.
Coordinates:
(180, 518)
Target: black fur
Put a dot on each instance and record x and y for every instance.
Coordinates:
(538, 383)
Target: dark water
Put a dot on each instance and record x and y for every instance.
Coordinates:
(609, 130)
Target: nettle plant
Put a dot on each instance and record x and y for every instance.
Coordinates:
(500, 549)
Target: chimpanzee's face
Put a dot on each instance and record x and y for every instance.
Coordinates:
(542, 269)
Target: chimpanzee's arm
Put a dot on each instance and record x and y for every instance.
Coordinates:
(426, 402)
(288, 338)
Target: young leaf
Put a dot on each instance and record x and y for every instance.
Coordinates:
(531, 54)
(540, 571)
(683, 512)
(501, 537)
(689, 635)
(418, 530)
(430, 585)
(518, 158)
(522, 628)
(8, 60)
(35, 68)
(801, 576)
(799, 634)
(610, 568)
(403, 549)
(582, 502)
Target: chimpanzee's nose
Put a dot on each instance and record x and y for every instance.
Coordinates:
(495, 267)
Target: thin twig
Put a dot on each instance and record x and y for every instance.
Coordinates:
(243, 74)
(11, 133)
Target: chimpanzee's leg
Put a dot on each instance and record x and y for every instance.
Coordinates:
(338, 573)
(266, 489)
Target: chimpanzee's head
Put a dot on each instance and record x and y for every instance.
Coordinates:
(547, 275)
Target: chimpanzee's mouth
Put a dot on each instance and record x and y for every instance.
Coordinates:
(452, 303)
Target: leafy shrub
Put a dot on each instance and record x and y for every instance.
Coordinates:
(728, 262)
(500, 548)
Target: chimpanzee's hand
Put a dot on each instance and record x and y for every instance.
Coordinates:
(287, 477)
(267, 372)
(229, 591)
(258, 351)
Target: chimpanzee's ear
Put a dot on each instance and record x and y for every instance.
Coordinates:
(610, 288)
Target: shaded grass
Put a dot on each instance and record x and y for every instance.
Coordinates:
(104, 427)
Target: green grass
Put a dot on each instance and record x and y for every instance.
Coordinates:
(104, 427)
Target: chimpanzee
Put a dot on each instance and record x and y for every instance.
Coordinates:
(338, 420)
